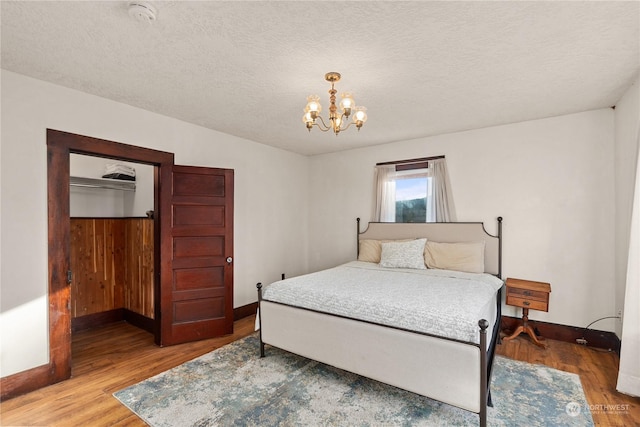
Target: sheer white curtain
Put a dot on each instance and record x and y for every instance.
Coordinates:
(441, 200)
(629, 371)
(385, 193)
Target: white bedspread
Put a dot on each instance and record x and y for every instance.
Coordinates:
(439, 302)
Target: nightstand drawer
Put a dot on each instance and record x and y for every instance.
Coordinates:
(527, 294)
(527, 303)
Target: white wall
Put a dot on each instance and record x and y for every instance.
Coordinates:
(105, 203)
(270, 223)
(552, 180)
(627, 120)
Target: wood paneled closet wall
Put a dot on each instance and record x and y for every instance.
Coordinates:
(113, 268)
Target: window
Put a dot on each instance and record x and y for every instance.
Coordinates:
(415, 190)
(413, 196)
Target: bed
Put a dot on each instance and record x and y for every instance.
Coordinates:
(431, 331)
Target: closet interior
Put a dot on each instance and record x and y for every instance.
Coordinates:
(112, 242)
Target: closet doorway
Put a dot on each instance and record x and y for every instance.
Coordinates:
(112, 242)
(193, 250)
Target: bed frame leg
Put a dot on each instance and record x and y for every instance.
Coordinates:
(499, 247)
(259, 286)
(484, 387)
(357, 238)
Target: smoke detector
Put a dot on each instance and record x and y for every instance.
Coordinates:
(142, 11)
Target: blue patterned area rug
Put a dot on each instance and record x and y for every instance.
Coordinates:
(232, 386)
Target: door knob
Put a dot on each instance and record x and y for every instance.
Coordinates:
(229, 260)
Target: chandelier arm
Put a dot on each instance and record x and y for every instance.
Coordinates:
(346, 127)
(324, 126)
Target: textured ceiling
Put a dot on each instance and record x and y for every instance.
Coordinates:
(421, 68)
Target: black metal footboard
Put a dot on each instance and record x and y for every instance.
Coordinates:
(486, 359)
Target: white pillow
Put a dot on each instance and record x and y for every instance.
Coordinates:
(467, 257)
(370, 250)
(408, 254)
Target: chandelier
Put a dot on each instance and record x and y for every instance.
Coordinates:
(337, 121)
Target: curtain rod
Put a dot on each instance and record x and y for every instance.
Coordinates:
(404, 162)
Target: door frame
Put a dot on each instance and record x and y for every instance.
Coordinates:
(59, 147)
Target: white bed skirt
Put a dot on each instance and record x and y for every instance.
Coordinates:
(444, 370)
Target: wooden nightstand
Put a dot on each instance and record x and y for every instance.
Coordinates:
(527, 294)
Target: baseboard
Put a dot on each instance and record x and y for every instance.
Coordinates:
(142, 322)
(245, 311)
(554, 331)
(25, 382)
(97, 320)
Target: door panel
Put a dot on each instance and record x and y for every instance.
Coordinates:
(198, 278)
(212, 216)
(197, 295)
(195, 310)
(198, 246)
(201, 185)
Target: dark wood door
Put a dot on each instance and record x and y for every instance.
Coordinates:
(197, 283)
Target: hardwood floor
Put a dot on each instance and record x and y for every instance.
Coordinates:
(598, 370)
(108, 359)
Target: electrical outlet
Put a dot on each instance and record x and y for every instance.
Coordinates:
(620, 315)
